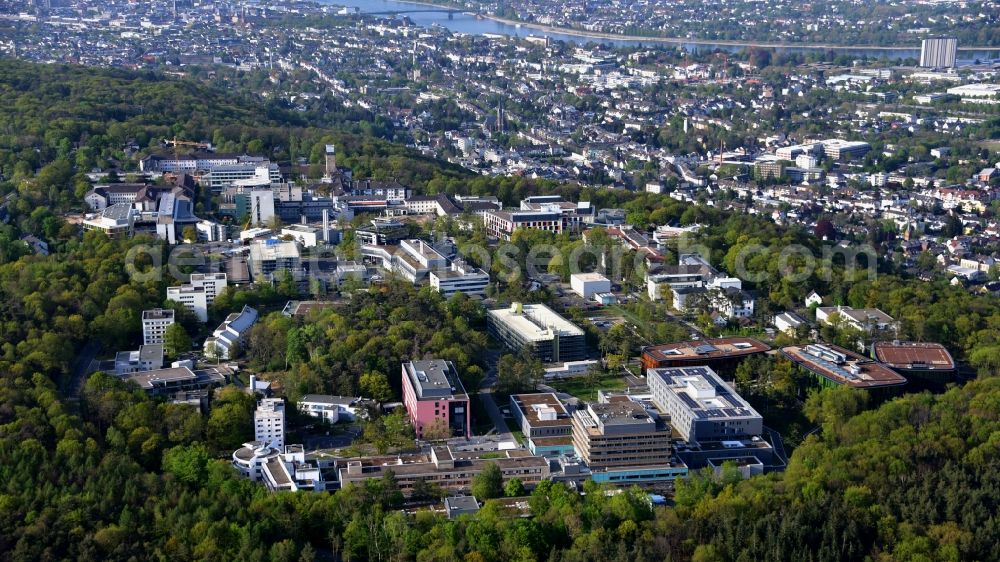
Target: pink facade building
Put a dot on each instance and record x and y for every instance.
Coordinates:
(435, 398)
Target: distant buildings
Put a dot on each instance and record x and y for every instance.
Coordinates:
(548, 213)
(938, 52)
(435, 399)
(701, 406)
(866, 320)
(269, 422)
(537, 330)
(788, 322)
(199, 292)
(155, 323)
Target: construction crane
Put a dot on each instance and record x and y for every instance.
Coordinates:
(177, 143)
(253, 207)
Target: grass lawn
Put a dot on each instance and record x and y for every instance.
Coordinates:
(582, 389)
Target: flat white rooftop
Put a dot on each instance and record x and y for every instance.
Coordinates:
(535, 322)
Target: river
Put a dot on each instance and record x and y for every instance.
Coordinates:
(464, 23)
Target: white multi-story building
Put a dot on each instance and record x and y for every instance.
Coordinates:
(588, 284)
(330, 409)
(155, 323)
(199, 293)
(221, 177)
(938, 52)
(230, 333)
(116, 221)
(269, 422)
(193, 299)
(460, 277)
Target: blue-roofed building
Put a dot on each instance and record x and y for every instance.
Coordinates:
(230, 333)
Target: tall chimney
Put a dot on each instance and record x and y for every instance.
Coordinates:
(326, 225)
(253, 384)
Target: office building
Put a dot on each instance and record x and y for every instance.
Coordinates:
(923, 361)
(268, 256)
(280, 468)
(269, 422)
(310, 236)
(330, 409)
(199, 292)
(973, 91)
(416, 259)
(721, 354)
(146, 358)
(938, 52)
(230, 334)
(178, 379)
(221, 177)
(832, 365)
(701, 406)
(155, 323)
(838, 149)
(193, 298)
(412, 260)
(451, 470)
(116, 221)
(195, 161)
(381, 232)
(545, 423)
(588, 284)
(538, 330)
(435, 399)
(460, 277)
(620, 442)
(502, 224)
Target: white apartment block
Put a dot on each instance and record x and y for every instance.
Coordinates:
(193, 299)
(155, 323)
(269, 422)
(199, 293)
(460, 277)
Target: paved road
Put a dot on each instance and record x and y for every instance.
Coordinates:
(496, 416)
(81, 368)
(489, 403)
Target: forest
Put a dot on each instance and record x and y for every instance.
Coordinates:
(97, 470)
